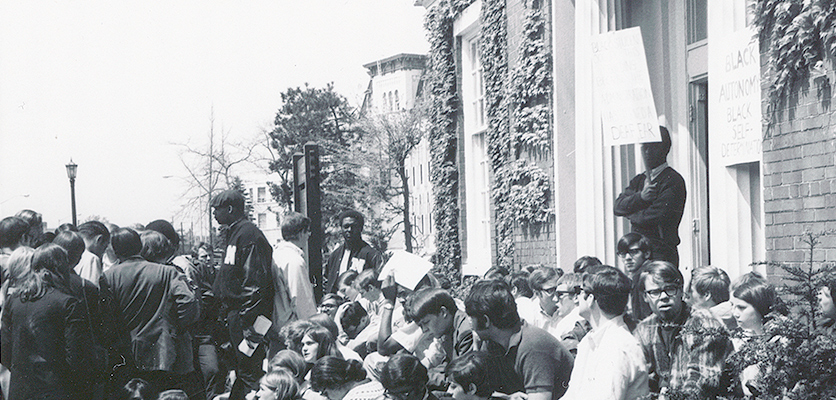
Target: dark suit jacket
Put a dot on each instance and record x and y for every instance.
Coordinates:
(45, 345)
(154, 307)
(658, 220)
(362, 251)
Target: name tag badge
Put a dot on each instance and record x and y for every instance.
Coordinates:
(357, 264)
(230, 255)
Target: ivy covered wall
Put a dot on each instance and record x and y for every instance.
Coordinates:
(518, 93)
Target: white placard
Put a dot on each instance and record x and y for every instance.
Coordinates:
(734, 97)
(408, 268)
(623, 98)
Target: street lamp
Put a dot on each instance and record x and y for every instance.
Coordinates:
(72, 169)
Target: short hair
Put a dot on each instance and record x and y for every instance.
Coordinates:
(65, 227)
(711, 280)
(573, 281)
(173, 394)
(352, 214)
(126, 243)
(327, 342)
(542, 275)
(661, 272)
(137, 389)
(230, 197)
(666, 138)
(347, 278)
(610, 286)
(72, 243)
(755, 290)
(155, 247)
(429, 301)
(492, 299)
(473, 368)
(12, 230)
(629, 239)
(282, 383)
(402, 371)
(332, 372)
(293, 224)
(332, 296)
(500, 273)
(290, 360)
(32, 218)
(165, 227)
(366, 278)
(585, 262)
(291, 334)
(519, 281)
(92, 229)
(326, 321)
(353, 314)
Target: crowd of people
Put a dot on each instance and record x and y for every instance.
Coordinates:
(105, 312)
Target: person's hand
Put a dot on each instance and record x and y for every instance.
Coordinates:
(389, 288)
(252, 336)
(649, 191)
(435, 353)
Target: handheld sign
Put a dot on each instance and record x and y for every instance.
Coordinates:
(623, 97)
(408, 268)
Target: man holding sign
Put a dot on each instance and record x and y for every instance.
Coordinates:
(655, 200)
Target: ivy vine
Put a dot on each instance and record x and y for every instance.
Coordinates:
(795, 36)
(444, 108)
(520, 191)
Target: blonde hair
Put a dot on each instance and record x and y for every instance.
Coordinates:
(282, 382)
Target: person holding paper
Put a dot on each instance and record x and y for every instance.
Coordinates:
(245, 285)
(354, 253)
(655, 200)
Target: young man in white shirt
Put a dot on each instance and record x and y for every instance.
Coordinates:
(610, 363)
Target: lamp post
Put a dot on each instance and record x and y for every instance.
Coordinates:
(72, 169)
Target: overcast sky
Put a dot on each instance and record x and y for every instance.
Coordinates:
(113, 85)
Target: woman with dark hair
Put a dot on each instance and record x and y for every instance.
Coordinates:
(752, 299)
(45, 334)
(317, 342)
(405, 378)
(338, 379)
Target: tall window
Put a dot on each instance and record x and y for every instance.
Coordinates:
(477, 165)
(262, 220)
(397, 102)
(262, 195)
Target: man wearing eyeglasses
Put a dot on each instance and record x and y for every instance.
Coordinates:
(543, 282)
(685, 348)
(610, 362)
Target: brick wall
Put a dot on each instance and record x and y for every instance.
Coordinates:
(799, 175)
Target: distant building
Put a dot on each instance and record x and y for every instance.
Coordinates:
(266, 212)
(395, 84)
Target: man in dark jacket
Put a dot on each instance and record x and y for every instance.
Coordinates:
(655, 200)
(154, 306)
(354, 253)
(244, 284)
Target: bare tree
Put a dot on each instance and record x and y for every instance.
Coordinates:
(210, 169)
(393, 137)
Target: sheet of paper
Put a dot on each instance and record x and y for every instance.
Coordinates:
(262, 324)
(408, 268)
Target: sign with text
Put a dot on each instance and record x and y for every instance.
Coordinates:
(622, 88)
(734, 97)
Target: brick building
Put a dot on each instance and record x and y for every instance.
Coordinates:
(753, 188)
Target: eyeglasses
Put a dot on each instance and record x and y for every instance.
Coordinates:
(668, 290)
(561, 293)
(632, 252)
(550, 291)
(585, 292)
